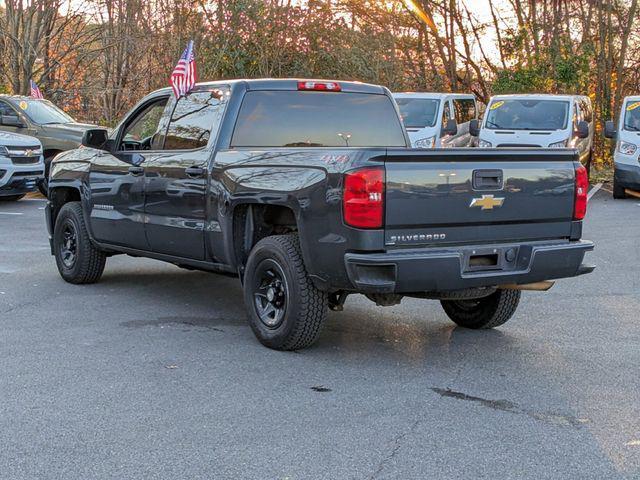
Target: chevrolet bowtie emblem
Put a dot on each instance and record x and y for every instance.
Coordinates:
(28, 152)
(487, 202)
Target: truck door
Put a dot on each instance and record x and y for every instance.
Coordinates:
(177, 176)
(116, 178)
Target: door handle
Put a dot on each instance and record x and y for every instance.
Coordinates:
(136, 171)
(194, 172)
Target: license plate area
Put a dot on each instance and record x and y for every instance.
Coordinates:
(490, 259)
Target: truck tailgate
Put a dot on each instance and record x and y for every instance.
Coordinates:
(477, 195)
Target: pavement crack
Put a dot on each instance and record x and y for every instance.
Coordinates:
(511, 407)
(396, 442)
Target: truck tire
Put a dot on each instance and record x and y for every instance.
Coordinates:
(618, 191)
(487, 312)
(78, 260)
(286, 311)
(12, 198)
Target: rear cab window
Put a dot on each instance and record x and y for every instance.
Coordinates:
(270, 118)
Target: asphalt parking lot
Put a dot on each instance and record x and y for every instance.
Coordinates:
(153, 373)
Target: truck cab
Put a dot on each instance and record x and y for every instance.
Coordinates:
(626, 155)
(538, 121)
(437, 120)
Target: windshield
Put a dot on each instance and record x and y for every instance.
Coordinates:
(632, 116)
(317, 119)
(524, 114)
(43, 112)
(418, 112)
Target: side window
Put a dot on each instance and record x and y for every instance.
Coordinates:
(465, 110)
(141, 131)
(446, 114)
(6, 110)
(195, 119)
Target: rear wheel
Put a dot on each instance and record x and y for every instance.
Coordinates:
(12, 198)
(618, 190)
(481, 313)
(286, 311)
(78, 260)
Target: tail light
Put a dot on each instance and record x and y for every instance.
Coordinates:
(363, 198)
(322, 86)
(581, 189)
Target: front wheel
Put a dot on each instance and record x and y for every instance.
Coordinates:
(482, 313)
(286, 311)
(618, 190)
(79, 260)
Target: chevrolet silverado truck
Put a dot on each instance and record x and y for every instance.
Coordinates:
(308, 191)
(39, 118)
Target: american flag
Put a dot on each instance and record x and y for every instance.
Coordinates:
(35, 91)
(183, 77)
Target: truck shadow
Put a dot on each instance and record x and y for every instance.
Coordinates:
(414, 330)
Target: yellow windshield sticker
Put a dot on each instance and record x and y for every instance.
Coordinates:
(633, 106)
(23, 105)
(496, 105)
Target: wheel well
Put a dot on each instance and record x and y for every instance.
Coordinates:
(50, 153)
(253, 222)
(58, 197)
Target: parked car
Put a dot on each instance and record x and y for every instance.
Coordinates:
(626, 159)
(549, 121)
(56, 130)
(438, 120)
(21, 165)
(307, 190)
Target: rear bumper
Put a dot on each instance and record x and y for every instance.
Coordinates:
(451, 268)
(627, 176)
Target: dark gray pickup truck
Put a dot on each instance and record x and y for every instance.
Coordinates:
(307, 191)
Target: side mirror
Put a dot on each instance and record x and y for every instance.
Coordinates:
(582, 129)
(451, 128)
(12, 121)
(474, 128)
(95, 138)
(610, 129)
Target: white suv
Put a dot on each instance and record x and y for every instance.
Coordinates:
(437, 120)
(626, 163)
(547, 121)
(21, 165)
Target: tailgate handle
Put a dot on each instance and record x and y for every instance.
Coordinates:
(487, 180)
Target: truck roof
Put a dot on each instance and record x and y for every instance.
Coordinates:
(437, 95)
(632, 98)
(16, 97)
(290, 84)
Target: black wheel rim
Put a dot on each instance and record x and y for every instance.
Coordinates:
(271, 293)
(468, 305)
(69, 244)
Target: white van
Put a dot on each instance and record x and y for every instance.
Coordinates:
(438, 120)
(626, 162)
(549, 121)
